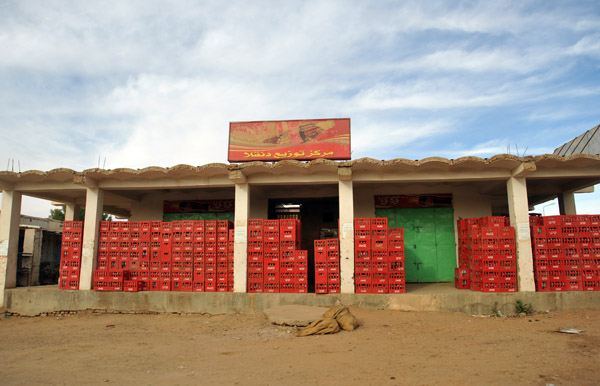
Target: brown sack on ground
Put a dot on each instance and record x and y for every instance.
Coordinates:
(319, 327)
(344, 317)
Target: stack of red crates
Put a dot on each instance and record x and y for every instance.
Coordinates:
(164, 256)
(378, 257)
(70, 260)
(275, 264)
(487, 255)
(327, 266)
(566, 251)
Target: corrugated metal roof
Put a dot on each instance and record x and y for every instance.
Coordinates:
(586, 143)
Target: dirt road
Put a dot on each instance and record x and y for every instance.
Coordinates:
(390, 348)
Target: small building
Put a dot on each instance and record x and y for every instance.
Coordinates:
(425, 197)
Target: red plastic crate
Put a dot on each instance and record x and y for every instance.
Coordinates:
(333, 245)
(395, 255)
(380, 288)
(320, 256)
(333, 255)
(255, 256)
(287, 287)
(101, 285)
(362, 244)
(321, 288)
(395, 266)
(198, 286)
(379, 255)
(362, 266)
(362, 278)
(132, 286)
(333, 277)
(255, 223)
(397, 288)
(362, 224)
(462, 283)
(362, 255)
(333, 266)
(379, 266)
(395, 233)
(362, 234)
(379, 223)
(287, 255)
(301, 288)
(271, 225)
(333, 288)
(271, 287)
(320, 245)
(255, 266)
(321, 277)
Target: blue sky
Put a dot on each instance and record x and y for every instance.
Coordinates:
(145, 83)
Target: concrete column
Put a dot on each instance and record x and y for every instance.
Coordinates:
(72, 212)
(240, 248)
(346, 202)
(566, 203)
(94, 204)
(9, 240)
(518, 208)
(32, 246)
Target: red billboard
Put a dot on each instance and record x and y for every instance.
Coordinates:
(417, 201)
(298, 140)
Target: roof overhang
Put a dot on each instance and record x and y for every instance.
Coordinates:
(547, 176)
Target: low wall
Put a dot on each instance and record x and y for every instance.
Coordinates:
(33, 301)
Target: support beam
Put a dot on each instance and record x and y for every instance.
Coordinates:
(566, 203)
(237, 176)
(518, 208)
(346, 202)
(72, 212)
(524, 169)
(9, 240)
(94, 204)
(240, 246)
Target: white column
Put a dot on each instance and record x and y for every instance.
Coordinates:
(9, 240)
(72, 212)
(94, 204)
(518, 207)
(240, 248)
(566, 203)
(346, 202)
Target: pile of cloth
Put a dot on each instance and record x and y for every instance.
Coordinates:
(332, 321)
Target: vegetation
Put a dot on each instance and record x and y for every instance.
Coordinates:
(496, 311)
(523, 308)
(59, 214)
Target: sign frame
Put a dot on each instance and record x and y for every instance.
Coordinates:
(299, 139)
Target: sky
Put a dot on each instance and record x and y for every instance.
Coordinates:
(141, 83)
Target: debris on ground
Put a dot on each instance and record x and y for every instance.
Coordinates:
(331, 322)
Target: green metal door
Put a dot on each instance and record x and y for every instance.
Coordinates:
(430, 250)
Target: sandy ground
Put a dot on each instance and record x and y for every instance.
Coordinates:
(390, 348)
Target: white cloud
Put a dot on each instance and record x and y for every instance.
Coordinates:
(587, 45)
(427, 94)
(378, 140)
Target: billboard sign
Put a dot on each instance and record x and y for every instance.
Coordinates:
(417, 201)
(298, 140)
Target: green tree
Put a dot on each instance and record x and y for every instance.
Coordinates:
(59, 214)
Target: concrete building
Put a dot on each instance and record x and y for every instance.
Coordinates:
(38, 251)
(329, 190)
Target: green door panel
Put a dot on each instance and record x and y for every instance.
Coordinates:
(446, 255)
(427, 263)
(429, 241)
(410, 260)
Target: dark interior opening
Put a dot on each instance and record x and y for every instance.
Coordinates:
(319, 220)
